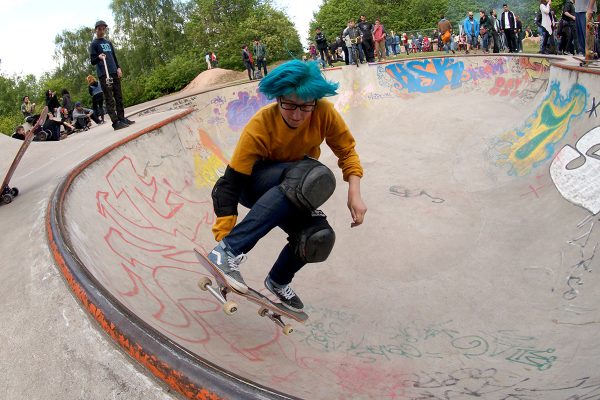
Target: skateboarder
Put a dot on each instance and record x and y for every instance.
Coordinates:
(270, 173)
(102, 52)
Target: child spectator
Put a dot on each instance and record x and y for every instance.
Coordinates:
(248, 61)
(95, 90)
(67, 102)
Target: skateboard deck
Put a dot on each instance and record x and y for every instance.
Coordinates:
(6, 192)
(274, 311)
(590, 39)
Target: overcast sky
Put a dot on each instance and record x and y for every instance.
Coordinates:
(28, 28)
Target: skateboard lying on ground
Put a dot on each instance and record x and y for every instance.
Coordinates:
(267, 308)
(6, 192)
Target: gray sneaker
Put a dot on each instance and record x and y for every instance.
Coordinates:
(229, 265)
(285, 294)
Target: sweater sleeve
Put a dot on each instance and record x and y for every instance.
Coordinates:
(342, 143)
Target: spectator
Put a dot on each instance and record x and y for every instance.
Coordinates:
(509, 26)
(366, 31)
(496, 32)
(52, 102)
(321, 42)
(83, 117)
(547, 28)
(485, 29)
(582, 8)
(519, 34)
(213, 60)
(405, 43)
(19, 133)
(471, 30)
(351, 36)
(28, 108)
(95, 91)
(248, 61)
(389, 43)
(379, 40)
(67, 102)
(53, 126)
(103, 56)
(568, 30)
(344, 48)
(207, 60)
(260, 53)
(396, 43)
(445, 28)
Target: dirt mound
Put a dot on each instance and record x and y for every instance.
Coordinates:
(215, 76)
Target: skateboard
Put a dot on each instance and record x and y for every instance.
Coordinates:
(274, 311)
(109, 79)
(6, 192)
(590, 40)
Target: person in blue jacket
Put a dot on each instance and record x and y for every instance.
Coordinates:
(471, 29)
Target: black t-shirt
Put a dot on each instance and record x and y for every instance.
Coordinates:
(366, 29)
(570, 8)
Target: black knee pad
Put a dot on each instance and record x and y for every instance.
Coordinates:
(308, 184)
(314, 243)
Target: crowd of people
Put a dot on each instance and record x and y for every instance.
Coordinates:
(66, 116)
(489, 32)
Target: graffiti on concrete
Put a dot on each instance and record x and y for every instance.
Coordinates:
(527, 147)
(240, 111)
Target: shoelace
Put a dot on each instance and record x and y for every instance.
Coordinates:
(234, 263)
(286, 292)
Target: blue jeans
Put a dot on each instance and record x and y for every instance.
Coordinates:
(580, 31)
(485, 41)
(269, 208)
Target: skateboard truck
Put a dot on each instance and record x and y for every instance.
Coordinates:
(230, 306)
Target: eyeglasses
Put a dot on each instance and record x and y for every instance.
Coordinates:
(293, 106)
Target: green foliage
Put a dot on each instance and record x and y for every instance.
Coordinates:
(12, 91)
(148, 32)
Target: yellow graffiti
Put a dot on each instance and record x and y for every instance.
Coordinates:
(526, 148)
(207, 170)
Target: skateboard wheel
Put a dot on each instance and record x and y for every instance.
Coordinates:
(288, 329)
(204, 283)
(230, 307)
(14, 192)
(263, 311)
(6, 198)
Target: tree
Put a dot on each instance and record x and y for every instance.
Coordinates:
(223, 26)
(149, 32)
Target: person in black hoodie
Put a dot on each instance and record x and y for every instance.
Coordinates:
(52, 101)
(321, 41)
(102, 52)
(366, 31)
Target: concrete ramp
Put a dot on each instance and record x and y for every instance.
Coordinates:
(474, 275)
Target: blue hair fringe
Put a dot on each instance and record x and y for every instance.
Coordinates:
(304, 79)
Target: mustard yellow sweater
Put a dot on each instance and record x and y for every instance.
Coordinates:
(268, 137)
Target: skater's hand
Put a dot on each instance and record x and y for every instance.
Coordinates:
(356, 205)
(119, 72)
(102, 56)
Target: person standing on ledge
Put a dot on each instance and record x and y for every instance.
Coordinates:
(102, 52)
(275, 173)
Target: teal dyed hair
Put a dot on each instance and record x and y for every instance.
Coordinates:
(304, 79)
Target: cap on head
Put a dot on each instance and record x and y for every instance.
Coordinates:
(78, 104)
(100, 23)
